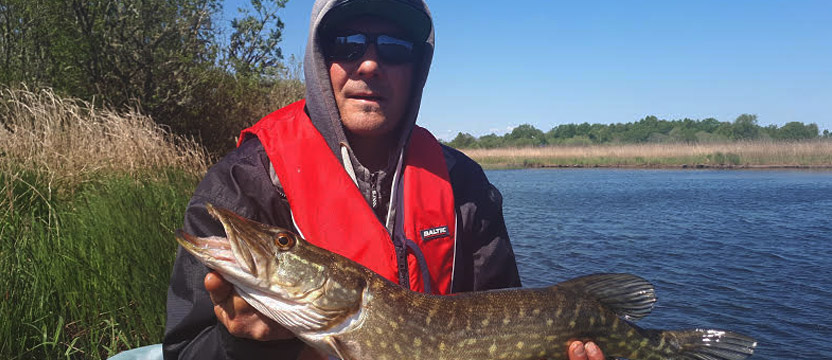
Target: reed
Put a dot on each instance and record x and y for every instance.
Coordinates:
(85, 276)
(89, 201)
(72, 141)
(817, 153)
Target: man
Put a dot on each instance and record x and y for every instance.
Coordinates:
(349, 170)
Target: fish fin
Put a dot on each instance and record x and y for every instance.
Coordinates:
(700, 344)
(336, 345)
(627, 295)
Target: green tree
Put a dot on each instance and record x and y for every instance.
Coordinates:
(463, 141)
(253, 49)
(160, 55)
(118, 51)
(525, 135)
(491, 141)
(745, 128)
(797, 131)
(560, 133)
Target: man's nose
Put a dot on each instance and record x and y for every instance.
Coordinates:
(369, 63)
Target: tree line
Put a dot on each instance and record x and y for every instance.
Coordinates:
(170, 58)
(647, 130)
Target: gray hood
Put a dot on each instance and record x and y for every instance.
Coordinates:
(320, 101)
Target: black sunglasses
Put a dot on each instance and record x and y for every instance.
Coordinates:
(391, 49)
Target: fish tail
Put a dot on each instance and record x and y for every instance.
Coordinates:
(706, 344)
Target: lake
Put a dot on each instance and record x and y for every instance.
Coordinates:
(748, 251)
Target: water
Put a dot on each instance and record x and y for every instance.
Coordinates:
(749, 251)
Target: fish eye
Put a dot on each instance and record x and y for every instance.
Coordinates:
(284, 241)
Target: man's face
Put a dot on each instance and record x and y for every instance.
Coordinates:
(372, 96)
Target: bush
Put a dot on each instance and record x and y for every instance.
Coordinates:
(225, 105)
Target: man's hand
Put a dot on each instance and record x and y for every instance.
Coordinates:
(581, 351)
(238, 316)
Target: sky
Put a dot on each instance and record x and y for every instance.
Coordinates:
(501, 64)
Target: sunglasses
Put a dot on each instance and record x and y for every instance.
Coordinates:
(390, 49)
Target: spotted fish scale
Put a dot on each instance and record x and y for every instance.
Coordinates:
(345, 310)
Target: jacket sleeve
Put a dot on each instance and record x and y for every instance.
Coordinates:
(485, 259)
(239, 183)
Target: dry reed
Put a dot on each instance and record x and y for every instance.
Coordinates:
(73, 141)
(750, 154)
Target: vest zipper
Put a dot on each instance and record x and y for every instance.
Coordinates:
(374, 190)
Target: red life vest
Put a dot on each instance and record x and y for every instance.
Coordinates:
(331, 213)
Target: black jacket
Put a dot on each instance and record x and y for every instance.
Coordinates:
(241, 182)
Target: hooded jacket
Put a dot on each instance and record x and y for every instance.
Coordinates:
(246, 183)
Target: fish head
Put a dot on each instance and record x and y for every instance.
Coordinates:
(307, 289)
(268, 258)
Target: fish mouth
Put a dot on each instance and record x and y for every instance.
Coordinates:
(243, 252)
(213, 248)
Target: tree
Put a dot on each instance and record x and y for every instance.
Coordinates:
(525, 135)
(745, 128)
(560, 133)
(254, 43)
(160, 55)
(491, 141)
(463, 141)
(797, 131)
(150, 52)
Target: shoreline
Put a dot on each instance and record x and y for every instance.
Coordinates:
(805, 155)
(682, 166)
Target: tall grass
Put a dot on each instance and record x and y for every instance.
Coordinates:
(88, 204)
(72, 141)
(744, 154)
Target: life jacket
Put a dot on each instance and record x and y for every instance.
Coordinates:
(330, 211)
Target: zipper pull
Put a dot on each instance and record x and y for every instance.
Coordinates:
(373, 190)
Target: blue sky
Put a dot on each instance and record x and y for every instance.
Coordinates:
(501, 64)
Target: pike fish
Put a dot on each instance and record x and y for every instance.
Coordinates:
(345, 310)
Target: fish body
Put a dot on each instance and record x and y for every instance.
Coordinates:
(345, 310)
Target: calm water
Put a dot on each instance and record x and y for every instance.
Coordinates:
(749, 251)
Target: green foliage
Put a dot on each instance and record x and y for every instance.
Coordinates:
(745, 128)
(253, 49)
(84, 275)
(120, 51)
(795, 131)
(164, 56)
(525, 135)
(463, 141)
(491, 141)
(647, 130)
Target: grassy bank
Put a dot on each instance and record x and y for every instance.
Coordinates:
(808, 154)
(85, 276)
(89, 201)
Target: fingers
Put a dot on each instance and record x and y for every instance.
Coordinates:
(577, 351)
(225, 301)
(218, 289)
(588, 351)
(593, 351)
(238, 317)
